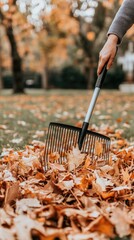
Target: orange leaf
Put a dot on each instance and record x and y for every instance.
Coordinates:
(98, 148)
(54, 156)
(54, 236)
(103, 225)
(106, 195)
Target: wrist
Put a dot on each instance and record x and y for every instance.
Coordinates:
(113, 38)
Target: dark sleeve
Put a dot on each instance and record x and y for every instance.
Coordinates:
(123, 20)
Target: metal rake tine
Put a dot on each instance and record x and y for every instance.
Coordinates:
(62, 138)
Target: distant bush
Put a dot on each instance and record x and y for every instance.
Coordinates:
(54, 79)
(69, 78)
(31, 80)
(7, 81)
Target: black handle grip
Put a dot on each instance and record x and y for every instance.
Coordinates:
(101, 77)
(82, 134)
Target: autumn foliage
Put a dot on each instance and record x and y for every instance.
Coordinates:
(62, 36)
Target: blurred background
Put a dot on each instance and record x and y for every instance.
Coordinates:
(52, 44)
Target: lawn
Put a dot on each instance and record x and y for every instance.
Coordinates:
(76, 200)
(25, 118)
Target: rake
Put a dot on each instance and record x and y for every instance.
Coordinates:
(62, 137)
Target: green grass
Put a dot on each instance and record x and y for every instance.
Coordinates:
(23, 115)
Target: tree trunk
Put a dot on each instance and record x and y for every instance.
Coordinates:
(90, 78)
(89, 75)
(1, 82)
(44, 76)
(88, 49)
(18, 85)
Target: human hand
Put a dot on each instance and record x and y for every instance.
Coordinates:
(108, 52)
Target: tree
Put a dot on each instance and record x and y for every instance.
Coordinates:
(88, 34)
(7, 21)
(1, 82)
(59, 27)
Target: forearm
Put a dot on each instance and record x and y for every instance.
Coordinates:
(123, 20)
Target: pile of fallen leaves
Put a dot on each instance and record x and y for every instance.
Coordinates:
(77, 200)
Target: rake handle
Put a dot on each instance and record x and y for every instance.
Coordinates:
(98, 86)
(96, 92)
(101, 77)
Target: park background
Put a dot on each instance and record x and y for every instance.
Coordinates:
(56, 44)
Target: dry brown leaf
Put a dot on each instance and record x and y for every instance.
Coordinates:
(8, 176)
(75, 158)
(102, 182)
(107, 168)
(73, 212)
(122, 221)
(3, 127)
(103, 225)
(87, 162)
(83, 182)
(65, 185)
(40, 176)
(57, 166)
(53, 157)
(24, 225)
(122, 142)
(5, 219)
(120, 188)
(98, 148)
(6, 234)
(125, 175)
(25, 204)
(27, 164)
(87, 236)
(106, 195)
(12, 193)
(58, 235)
(68, 185)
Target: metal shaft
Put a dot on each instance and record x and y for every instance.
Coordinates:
(92, 104)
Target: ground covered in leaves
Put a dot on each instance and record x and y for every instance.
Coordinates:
(77, 200)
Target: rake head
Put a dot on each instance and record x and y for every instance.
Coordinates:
(61, 138)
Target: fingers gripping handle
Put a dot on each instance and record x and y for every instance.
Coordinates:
(101, 77)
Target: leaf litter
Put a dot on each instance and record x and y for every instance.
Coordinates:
(75, 200)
